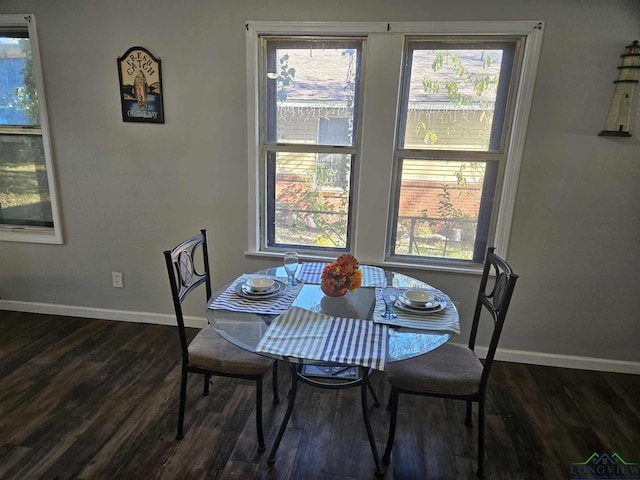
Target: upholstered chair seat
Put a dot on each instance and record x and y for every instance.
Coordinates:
(210, 351)
(449, 370)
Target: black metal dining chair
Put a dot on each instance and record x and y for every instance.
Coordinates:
(454, 371)
(208, 353)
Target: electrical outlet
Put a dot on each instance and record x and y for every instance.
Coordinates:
(118, 280)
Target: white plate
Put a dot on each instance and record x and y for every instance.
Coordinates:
(275, 288)
(281, 286)
(440, 305)
(435, 303)
(261, 284)
(419, 298)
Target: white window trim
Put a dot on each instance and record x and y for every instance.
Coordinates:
(36, 234)
(371, 248)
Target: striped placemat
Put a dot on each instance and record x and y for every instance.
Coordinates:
(446, 320)
(302, 334)
(311, 272)
(230, 300)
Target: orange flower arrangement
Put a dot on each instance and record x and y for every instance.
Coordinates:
(341, 276)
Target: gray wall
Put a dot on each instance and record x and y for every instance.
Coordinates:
(129, 191)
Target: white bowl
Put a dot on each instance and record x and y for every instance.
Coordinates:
(260, 284)
(418, 297)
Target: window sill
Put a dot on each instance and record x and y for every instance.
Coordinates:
(310, 257)
(389, 264)
(30, 235)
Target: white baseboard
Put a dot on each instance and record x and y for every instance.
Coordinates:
(563, 361)
(100, 313)
(518, 356)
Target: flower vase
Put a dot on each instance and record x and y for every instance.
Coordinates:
(330, 291)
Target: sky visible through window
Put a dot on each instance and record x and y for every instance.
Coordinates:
(12, 65)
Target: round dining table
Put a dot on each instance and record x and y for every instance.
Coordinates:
(247, 330)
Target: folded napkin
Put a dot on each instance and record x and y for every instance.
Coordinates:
(307, 335)
(230, 300)
(446, 320)
(311, 272)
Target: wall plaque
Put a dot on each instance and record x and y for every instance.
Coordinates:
(140, 86)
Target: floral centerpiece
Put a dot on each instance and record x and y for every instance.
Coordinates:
(341, 276)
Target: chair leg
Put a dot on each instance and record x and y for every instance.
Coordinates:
(261, 446)
(283, 426)
(183, 399)
(274, 383)
(367, 422)
(481, 426)
(376, 402)
(467, 421)
(205, 390)
(393, 406)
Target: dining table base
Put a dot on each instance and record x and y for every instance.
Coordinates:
(363, 382)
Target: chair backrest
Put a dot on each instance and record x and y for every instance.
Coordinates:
(185, 277)
(494, 296)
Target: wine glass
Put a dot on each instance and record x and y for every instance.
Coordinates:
(291, 265)
(389, 297)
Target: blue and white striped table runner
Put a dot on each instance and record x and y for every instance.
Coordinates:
(302, 334)
(311, 272)
(230, 300)
(446, 320)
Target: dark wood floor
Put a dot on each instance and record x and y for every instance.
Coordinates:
(94, 399)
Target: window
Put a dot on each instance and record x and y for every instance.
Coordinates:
(451, 145)
(28, 209)
(310, 114)
(400, 142)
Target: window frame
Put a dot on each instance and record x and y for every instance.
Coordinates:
(33, 234)
(374, 188)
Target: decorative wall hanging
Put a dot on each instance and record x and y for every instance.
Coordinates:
(140, 86)
(617, 123)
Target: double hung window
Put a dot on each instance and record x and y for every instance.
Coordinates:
(28, 209)
(450, 146)
(400, 143)
(310, 140)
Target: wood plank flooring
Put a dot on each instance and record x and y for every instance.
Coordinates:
(96, 399)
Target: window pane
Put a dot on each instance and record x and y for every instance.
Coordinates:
(24, 191)
(454, 99)
(438, 208)
(312, 197)
(309, 81)
(18, 98)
